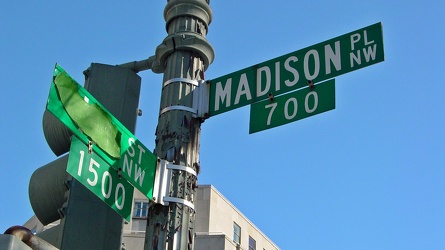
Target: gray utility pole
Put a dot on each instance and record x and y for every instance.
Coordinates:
(183, 57)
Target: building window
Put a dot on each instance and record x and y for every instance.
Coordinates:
(252, 244)
(138, 225)
(140, 209)
(236, 233)
(140, 213)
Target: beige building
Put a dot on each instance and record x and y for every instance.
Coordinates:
(219, 225)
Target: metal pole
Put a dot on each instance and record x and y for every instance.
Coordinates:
(183, 57)
(138, 66)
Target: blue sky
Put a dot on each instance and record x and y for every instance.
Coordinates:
(367, 175)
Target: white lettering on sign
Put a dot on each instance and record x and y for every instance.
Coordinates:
(291, 107)
(355, 38)
(277, 75)
(306, 102)
(333, 57)
(287, 115)
(272, 107)
(223, 94)
(311, 66)
(93, 164)
(294, 72)
(105, 180)
(369, 52)
(106, 175)
(243, 89)
(315, 66)
(116, 196)
(128, 162)
(266, 70)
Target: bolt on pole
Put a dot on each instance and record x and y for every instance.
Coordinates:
(183, 57)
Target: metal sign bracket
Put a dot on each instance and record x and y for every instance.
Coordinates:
(161, 190)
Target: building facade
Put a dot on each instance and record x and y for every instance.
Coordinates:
(219, 225)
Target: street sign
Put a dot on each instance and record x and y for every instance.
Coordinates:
(91, 122)
(292, 71)
(292, 106)
(100, 178)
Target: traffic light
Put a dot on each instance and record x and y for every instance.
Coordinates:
(47, 190)
(86, 222)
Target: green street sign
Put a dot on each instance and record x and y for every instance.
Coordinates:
(100, 178)
(91, 122)
(292, 71)
(292, 106)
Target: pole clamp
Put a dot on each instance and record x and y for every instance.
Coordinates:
(162, 183)
(201, 95)
(167, 200)
(200, 105)
(173, 80)
(178, 107)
